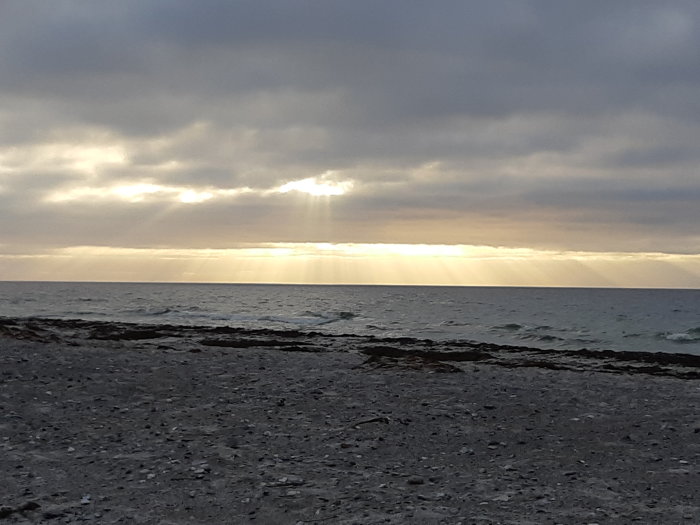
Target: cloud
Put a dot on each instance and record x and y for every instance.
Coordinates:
(541, 124)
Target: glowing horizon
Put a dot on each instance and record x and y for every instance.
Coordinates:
(358, 263)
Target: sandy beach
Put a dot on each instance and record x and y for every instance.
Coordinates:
(118, 423)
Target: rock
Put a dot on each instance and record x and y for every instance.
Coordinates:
(411, 362)
(291, 480)
(6, 511)
(117, 332)
(426, 355)
(378, 419)
(415, 480)
(253, 343)
(53, 514)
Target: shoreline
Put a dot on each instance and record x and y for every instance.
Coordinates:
(127, 423)
(391, 351)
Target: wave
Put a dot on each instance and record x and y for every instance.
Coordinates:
(586, 341)
(515, 327)
(511, 327)
(91, 300)
(309, 318)
(691, 335)
(150, 312)
(547, 338)
(377, 327)
(451, 322)
(330, 317)
(81, 313)
(543, 334)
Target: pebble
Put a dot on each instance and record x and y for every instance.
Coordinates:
(291, 480)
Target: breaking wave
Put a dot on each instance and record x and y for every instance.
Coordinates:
(310, 318)
(689, 336)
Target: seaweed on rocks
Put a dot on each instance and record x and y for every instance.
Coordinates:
(432, 360)
(382, 352)
(287, 346)
(6, 512)
(410, 362)
(110, 334)
(27, 331)
(251, 343)
(429, 355)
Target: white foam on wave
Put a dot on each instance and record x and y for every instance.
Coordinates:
(690, 336)
(681, 337)
(150, 312)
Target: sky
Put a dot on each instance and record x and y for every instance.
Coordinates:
(484, 142)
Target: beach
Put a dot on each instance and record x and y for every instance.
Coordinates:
(160, 424)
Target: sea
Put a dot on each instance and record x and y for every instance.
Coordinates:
(649, 320)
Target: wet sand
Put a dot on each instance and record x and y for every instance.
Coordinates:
(119, 423)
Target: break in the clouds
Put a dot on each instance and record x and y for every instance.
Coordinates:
(178, 124)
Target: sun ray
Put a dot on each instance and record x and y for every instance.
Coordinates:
(327, 263)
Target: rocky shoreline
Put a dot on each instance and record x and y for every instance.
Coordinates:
(125, 423)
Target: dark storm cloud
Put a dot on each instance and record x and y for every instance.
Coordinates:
(403, 59)
(550, 115)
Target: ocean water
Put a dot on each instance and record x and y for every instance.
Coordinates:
(558, 318)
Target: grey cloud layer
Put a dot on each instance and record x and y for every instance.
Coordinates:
(541, 123)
